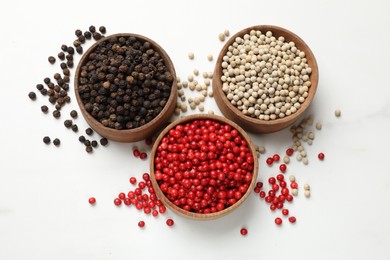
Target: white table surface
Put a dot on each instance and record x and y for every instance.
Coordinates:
(44, 190)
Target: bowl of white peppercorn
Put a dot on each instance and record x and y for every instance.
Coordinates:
(125, 85)
(265, 78)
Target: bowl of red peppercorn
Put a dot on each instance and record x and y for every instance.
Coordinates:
(203, 166)
(265, 78)
(125, 85)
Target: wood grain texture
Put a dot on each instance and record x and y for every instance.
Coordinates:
(253, 124)
(142, 132)
(193, 215)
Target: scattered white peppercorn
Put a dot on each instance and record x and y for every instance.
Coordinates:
(190, 78)
(291, 178)
(307, 193)
(299, 157)
(207, 82)
(211, 93)
(177, 111)
(294, 192)
(196, 72)
(337, 112)
(205, 75)
(198, 87)
(185, 84)
(192, 105)
(318, 126)
(221, 37)
(191, 55)
(201, 108)
(210, 57)
(305, 161)
(226, 32)
(210, 74)
(306, 186)
(261, 149)
(286, 159)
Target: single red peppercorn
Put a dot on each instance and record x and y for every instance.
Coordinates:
(155, 213)
(269, 161)
(294, 185)
(117, 201)
(285, 212)
(278, 221)
(262, 194)
(145, 176)
(283, 168)
(122, 195)
(256, 189)
(280, 177)
(133, 180)
(170, 222)
(92, 200)
(289, 151)
(271, 180)
(127, 201)
(141, 224)
(276, 158)
(143, 156)
(259, 184)
(292, 219)
(136, 153)
(321, 156)
(244, 231)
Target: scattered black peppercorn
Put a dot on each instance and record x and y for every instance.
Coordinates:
(75, 128)
(32, 95)
(61, 55)
(51, 59)
(97, 36)
(87, 35)
(68, 123)
(94, 143)
(82, 139)
(88, 149)
(66, 79)
(87, 142)
(81, 38)
(70, 50)
(89, 131)
(56, 114)
(56, 142)
(73, 114)
(69, 63)
(46, 80)
(78, 32)
(44, 92)
(64, 47)
(63, 65)
(79, 50)
(102, 29)
(46, 140)
(104, 141)
(76, 43)
(39, 87)
(66, 72)
(69, 56)
(44, 109)
(92, 29)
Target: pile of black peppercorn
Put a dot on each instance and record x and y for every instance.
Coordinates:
(125, 83)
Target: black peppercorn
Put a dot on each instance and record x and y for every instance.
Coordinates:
(56, 114)
(69, 63)
(81, 39)
(89, 131)
(56, 142)
(78, 32)
(87, 142)
(64, 47)
(104, 141)
(39, 87)
(69, 57)
(63, 65)
(44, 109)
(68, 123)
(47, 80)
(88, 149)
(94, 143)
(46, 140)
(44, 92)
(82, 139)
(76, 43)
(73, 114)
(87, 35)
(97, 36)
(32, 95)
(79, 50)
(57, 76)
(70, 50)
(61, 55)
(51, 59)
(75, 128)
(92, 29)
(66, 79)
(102, 29)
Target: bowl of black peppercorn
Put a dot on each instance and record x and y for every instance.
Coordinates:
(125, 85)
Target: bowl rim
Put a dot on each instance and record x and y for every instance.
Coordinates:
(193, 215)
(289, 36)
(108, 132)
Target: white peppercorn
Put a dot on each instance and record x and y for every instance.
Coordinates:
(201, 108)
(294, 192)
(226, 32)
(210, 57)
(318, 126)
(286, 159)
(291, 178)
(221, 37)
(306, 186)
(191, 55)
(196, 72)
(307, 193)
(211, 112)
(337, 112)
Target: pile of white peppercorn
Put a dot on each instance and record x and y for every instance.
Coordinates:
(265, 77)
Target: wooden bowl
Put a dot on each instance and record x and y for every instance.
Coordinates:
(193, 215)
(142, 132)
(253, 124)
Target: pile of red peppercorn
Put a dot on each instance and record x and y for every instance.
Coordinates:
(203, 166)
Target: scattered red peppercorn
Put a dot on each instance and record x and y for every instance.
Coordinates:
(262, 194)
(136, 153)
(283, 167)
(141, 224)
(244, 231)
(133, 180)
(271, 180)
(143, 156)
(170, 222)
(117, 202)
(285, 212)
(278, 221)
(122, 195)
(92, 200)
(321, 156)
(290, 151)
(280, 177)
(292, 219)
(294, 185)
(269, 161)
(276, 157)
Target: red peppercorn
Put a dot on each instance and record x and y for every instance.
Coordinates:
(141, 224)
(92, 200)
(269, 161)
(122, 196)
(278, 221)
(259, 184)
(289, 197)
(283, 168)
(170, 222)
(243, 231)
(321, 156)
(289, 151)
(292, 219)
(285, 212)
(117, 201)
(275, 187)
(136, 153)
(256, 189)
(276, 157)
(294, 185)
(155, 213)
(280, 177)
(143, 156)
(133, 180)
(271, 180)
(127, 201)
(262, 194)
